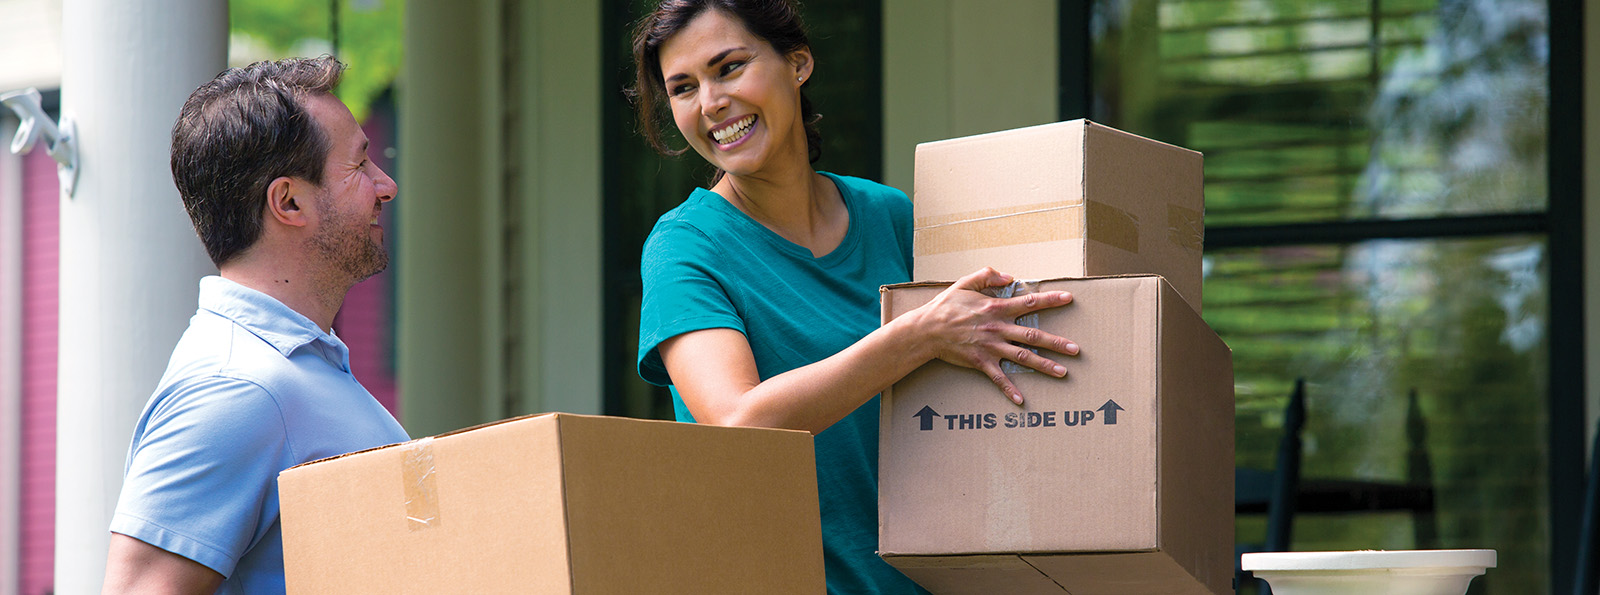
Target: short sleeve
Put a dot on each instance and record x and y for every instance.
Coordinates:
(202, 470)
(682, 293)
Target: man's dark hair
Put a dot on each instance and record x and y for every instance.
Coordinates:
(238, 133)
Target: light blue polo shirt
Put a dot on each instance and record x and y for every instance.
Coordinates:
(252, 388)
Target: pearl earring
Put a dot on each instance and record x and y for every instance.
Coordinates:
(799, 79)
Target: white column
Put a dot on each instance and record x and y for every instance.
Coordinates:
(446, 178)
(10, 361)
(562, 202)
(130, 260)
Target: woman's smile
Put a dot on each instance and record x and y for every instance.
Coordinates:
(730, 134)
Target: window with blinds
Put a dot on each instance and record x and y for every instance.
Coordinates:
(1376, 205)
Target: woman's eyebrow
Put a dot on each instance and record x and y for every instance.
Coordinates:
(712, 62)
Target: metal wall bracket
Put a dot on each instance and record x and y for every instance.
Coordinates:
(61, 141)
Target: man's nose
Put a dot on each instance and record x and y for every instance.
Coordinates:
(385, 185)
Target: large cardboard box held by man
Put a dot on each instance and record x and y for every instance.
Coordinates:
(1116, 479)
(562, 504)
(1069, 199)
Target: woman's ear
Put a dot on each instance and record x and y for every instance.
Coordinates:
(285, 201)
(803, 64)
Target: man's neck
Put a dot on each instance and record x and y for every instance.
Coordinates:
(317, 299)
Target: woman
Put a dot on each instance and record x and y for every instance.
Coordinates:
(760, 303)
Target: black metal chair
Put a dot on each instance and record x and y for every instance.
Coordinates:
(1274, 492)
(1282, 492)
(1587, 581)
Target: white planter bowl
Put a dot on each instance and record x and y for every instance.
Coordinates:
(1369, 572)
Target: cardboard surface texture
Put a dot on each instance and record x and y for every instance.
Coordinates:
(560, 503)
(1069, 199)
(1116, 479)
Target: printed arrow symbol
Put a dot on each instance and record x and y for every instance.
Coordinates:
(927, 415)
(1109, 411)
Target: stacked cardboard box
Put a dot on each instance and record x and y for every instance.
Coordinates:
(1070, 199)
(1116, 479)
(560, 504)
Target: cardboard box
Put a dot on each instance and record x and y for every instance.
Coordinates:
(1116, 479)
(560, 503)
(1069, 199)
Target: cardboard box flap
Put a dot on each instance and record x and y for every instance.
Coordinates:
(1106, 574)
(976, 575)
(1127, 573)
(1196, 388)
(402, 444)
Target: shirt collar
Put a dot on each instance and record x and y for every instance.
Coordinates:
(266, 317)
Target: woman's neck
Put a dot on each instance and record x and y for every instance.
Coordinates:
(800, 205)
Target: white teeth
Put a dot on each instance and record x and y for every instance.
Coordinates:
(734, 132)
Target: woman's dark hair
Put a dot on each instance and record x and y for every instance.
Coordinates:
(775, 21)
(239, 132)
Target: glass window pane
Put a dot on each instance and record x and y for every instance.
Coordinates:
(1462, 325)
(1336, 109)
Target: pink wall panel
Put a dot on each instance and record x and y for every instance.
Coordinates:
(41, 232)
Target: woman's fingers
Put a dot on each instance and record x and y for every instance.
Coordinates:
(982, 279)
(1026, 358)
(1034, 302)
(1031, 336)
(998, 377)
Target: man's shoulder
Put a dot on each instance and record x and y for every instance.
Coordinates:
(223, 372)
(216, 346)
(220, 357)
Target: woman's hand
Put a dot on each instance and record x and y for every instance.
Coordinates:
(715, 370)
(970, 329)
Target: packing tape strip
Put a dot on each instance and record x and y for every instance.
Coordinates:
(993, 213)
(1113, 226)
(421, 485)
(1186, 228)
(986, 230)
(1028, 224)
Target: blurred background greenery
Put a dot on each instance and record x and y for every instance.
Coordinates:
(364, 34)
(1338, 112)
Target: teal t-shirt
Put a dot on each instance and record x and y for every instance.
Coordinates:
(708, 265)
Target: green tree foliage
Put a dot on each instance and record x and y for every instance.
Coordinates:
(368, 38)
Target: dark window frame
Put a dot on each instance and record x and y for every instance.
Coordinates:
(1561, 224)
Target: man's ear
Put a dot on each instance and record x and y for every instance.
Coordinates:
(286, 201)
(803, 64)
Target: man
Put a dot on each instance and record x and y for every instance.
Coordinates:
(273, 171)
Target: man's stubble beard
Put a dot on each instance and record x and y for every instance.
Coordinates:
(344, 244)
